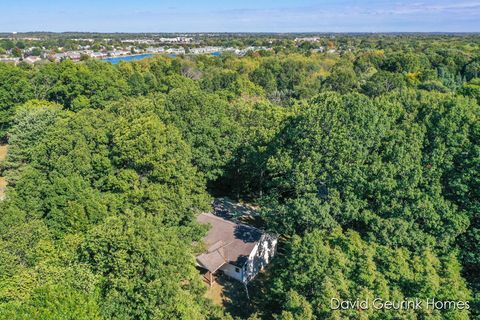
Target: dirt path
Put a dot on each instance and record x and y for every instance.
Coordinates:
(3, 182)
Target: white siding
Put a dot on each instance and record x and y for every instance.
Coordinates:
(229, 270)
(260, 256)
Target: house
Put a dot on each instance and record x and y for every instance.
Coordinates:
(59, 56)
(32, 59)
(205, 50)
(175, 51)
(98, 55)
(238, 250)
(10, 59)
(307, 39)
(74, 55)
(155, 50)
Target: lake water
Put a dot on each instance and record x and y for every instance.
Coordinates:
(116, 60)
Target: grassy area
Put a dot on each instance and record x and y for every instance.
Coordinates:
(215, 293)
(3, 185)
(231, 295)
(3, 152)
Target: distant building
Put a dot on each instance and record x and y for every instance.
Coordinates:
(139, 41)
(98, 55)
(175, 40)
(155, 50)
(307, 39)
(175, 51)
(205, 50)
(10, 59)
(118, 53)
(73, 55)
(238, 250)
(32, 59)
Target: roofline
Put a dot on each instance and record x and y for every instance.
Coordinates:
(203, 267)
(234, 223)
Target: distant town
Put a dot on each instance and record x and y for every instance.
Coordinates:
(38, 48)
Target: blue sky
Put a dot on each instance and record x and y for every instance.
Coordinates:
(240, 15)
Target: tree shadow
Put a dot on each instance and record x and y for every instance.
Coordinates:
(229, 209)
(247, 234)
(234, 298)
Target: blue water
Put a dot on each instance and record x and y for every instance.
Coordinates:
(115, 60)
(216, 54)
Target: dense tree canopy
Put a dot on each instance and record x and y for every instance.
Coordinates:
(321, 266)
(115, 189)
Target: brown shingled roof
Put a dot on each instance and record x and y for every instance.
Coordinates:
(236, 240)
(212, 260)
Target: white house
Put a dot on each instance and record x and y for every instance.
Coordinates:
(238, 250)
(32, 59)
(175, 51)
(204, 50)
(155, 50)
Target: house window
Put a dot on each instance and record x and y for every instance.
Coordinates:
(237, 270)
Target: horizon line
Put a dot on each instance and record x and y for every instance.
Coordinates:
(246, 32)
